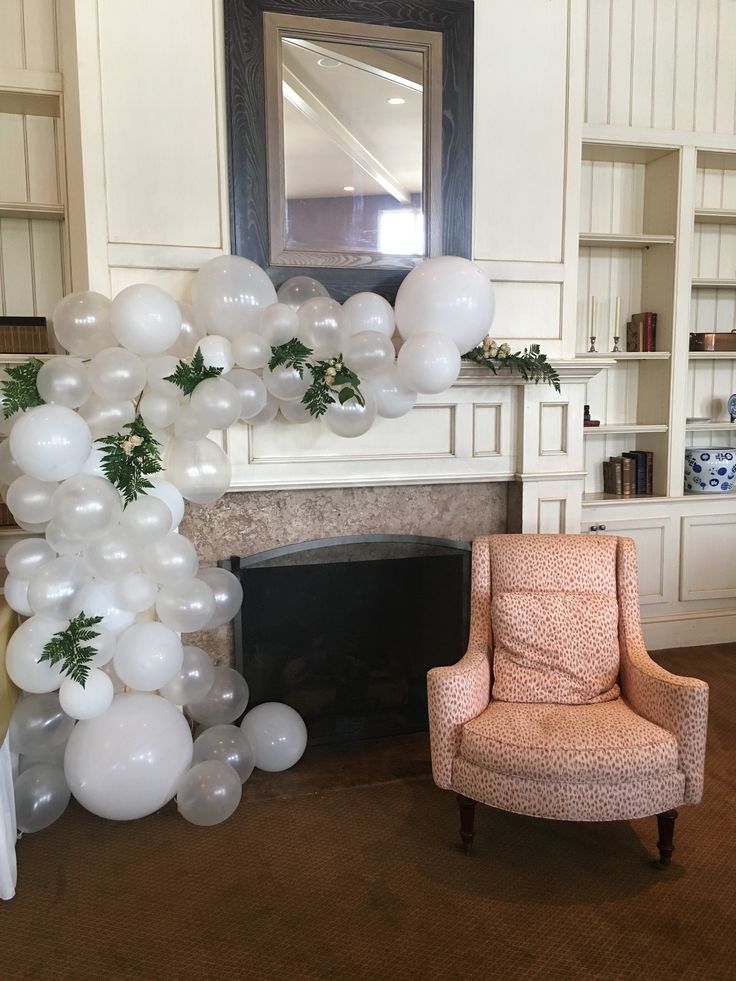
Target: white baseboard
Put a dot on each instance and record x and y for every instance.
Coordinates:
(690, 630)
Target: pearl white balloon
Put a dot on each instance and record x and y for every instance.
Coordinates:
(227, 743)
(251, 389)
(86, 506)
(322, 327)
(228, 594)
(298, 289)
(148, 655)
(369, 312)
(93, 463)
(22, 657)
(58, 589)
(62, 543)
(428, 363)
(103, 645)
(225, 700)
(277, 734)
(351, 418)
(113, 555)
(88, 700)
(217, 352)
(158, 410)
(25, 558)
(267, 414)
(186, 606)
(228, 292)
(82, 323)
(194, 679)
(170, 559)
(30, 500)
(209, 793)
(286, 383)
(64, 381)
(201, 470)
(33, 527)
(189, 425)
(136, 592)
(157, 370)
(9, 469)
(100, 600)
(106, 418)
(50, 442)
(165, 491)
(15, 592)
(393, 398)
(295, 412)
(128, 762)
(216, 402)
(278, 324)
(146, 519)
(145, 319)
(251, 351)
(190, 333)
(117, 375)
(446, 295)
(368, 353)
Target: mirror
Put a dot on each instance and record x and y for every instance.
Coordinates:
(353, 141)
(327, 177)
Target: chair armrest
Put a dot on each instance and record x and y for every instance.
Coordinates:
(677, 704)
(456, 694)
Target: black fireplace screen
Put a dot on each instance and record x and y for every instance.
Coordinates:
(345, 630)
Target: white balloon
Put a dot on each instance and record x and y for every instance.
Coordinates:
(100, 601)
(158, 410)
(251, 351)
(136, 592)
(58, 589)
(62, 543)
(190, 333)
(170, 559)
(368, 353)
(41, 797)
(298, 289)
(145, 319)
(251, 389)
(267, 414)
(50, 442)
(194, 679)
(148, 656)
(103, 644)
(64, 381)
(428, 363)
(147, 518)
(165, 491)
(446, 295)
(209, 793)
(295, 412)
(106, 418)
(30, 500)
(82, 323)
(277, 734)
(117, 375)
(200, 469)
(278, 324)
(225, 700)
(286, 383)
(369, 311)
(157, 371)
(93, 463)
(113, 555)
(9, 469)
(323, 326)
(188, 425)
(228, 593)
(217, 352)
(351, 418)
(227, 743)
(186, 606)
(25, 647)
(228, 293)
(127, 762)
(88, 700)
(216, 402)
(86, 506)
(393, 398)
(15, 592)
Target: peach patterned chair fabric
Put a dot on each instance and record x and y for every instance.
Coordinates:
(626, 757)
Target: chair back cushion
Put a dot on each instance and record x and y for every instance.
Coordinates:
(554, 617)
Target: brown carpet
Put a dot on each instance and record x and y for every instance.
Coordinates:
(348, 868)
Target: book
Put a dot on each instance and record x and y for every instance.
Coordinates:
(650, 472)
(645, 327)
(628, 476)
(639, 458)
(617, 475)
(632, 336)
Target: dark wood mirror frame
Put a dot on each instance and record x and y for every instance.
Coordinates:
(246, 125)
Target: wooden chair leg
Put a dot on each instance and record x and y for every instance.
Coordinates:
(467, 819)
(666, 827)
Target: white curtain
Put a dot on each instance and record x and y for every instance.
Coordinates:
(7, 825)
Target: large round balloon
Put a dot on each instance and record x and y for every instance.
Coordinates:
(227, 294)
(446, 295)
(58, 589)
(41, 797)
(277, 734)
(82, 323)
(148, 518)
(200, 469)
(86, 506)
(209, 793)
(369, 312)
(50, 442)
(128, 762)
(428, 363)
(171, 559)
(216, 403)
(145, 319)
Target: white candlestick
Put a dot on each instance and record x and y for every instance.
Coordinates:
(616, 316)
(592, 316)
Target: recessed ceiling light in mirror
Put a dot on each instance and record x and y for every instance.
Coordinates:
(348, 187)
(396, 101)
(328, 63)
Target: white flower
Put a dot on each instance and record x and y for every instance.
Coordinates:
(504, 351)
(492, 349)
(135, 440)
(127, 447)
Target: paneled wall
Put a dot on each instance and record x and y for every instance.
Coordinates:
(28, 35)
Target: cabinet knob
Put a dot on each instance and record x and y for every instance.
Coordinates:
(597, 527)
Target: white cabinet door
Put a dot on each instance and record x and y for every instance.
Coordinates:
(656, 550)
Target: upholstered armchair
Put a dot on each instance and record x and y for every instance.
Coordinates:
(557, 710)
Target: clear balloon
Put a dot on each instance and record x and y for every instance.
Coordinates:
(148, 656)
(57, 590)
(224, 702)
(186, 606)
(170, 559)
(165, 491)
(117, 375)
(251, 351)
(101, 600)
(228, 293)
(369, 311)
(127, 762)
(188, 425)
(158, 410)
(190, 333)
(23, 655)
(228, 593)
(209, 793)
(278, 324)
(30, 500)
(368, 353)
(216, 402)
(148, 518)
(393, 398)
(295, 412)
(15, 592)
(50, 442)
(428, 363)
(64, 381)
(62, 543)
(38, 725)
(267, 414)
(145, 319)
(41, 797)
(194, 679)
(200, 469)
(277, 734)
(229, 744)
(446, 295)
(323, 327)
(86, 506)
(286, 383)
(113, 555)
(217, 352)
(106, 418)
(251, 390)
(82, 323)
(157, 371)
(136, 592)
(351, 419)
(298, 289)
(88, 700)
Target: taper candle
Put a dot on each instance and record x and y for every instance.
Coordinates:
(616, 316)
(592, 316)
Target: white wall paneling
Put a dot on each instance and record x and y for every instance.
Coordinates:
(708, 569)
(656, 550)
(28, 35)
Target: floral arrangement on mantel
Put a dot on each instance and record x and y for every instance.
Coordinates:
(104, 447)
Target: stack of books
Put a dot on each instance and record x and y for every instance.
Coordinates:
(641, 332)
(629, 475)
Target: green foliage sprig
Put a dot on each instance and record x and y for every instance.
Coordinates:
(66, 647)
(129, 458)
(19, 390)
(189, 374)
(292, 354)
(330, 378)
(531, 364)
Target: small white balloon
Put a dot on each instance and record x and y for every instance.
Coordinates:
(157, 371)
(146, 519)
(368, 353)
(286, 383)
(158, 410)
(393, 397)
(295, 412)
(189, 425)
(351, 419)
(136, 592)
(267, 414)
(15, 592)
(62, 543)
(30, 500)
(227, 743)
(113, 555)
(145, 319)
(251, 389)
(224, 702)
(170, 559)
(190, 333)
(323, 327)
(278, 324)
(228, 594)
(209, 793)
(50, 442)
(428, 363)
(194, 680)
(200, 469)
(277, 734)
(148, 656)
(64, 381)
(86, 506)
(26, 557)
(88, 700)
(369, 312)
(106, 418)
(100, 600)
(251, 351)
(228, 292)
(23, 655)
(117, 375)
(58, 589)
(298, 289)
(82, 323)
(217, 352)
(165, 491)
(186, 606)
(216, 402)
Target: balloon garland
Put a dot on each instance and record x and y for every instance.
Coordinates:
(104, 447)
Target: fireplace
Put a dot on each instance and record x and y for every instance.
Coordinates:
(345, 629)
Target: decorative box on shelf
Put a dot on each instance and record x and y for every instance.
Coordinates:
(23, 335)
(716, 341)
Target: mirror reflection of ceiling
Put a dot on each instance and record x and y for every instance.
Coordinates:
(342, 136)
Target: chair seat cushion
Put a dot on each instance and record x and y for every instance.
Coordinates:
(602, 743)
(555, 646)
